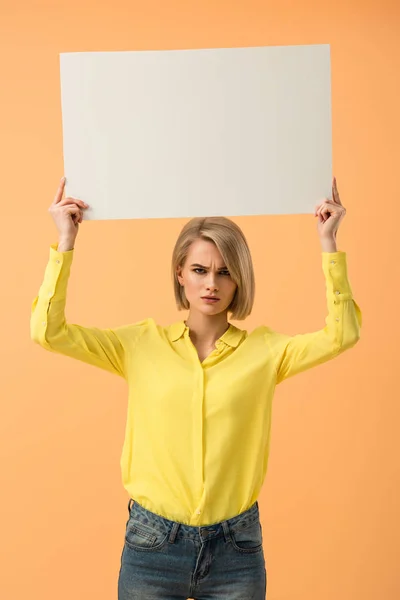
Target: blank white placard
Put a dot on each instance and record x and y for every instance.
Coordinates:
(185, 133)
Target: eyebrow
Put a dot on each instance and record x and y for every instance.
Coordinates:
(203, 267)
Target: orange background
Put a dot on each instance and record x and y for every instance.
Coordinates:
(329, 506)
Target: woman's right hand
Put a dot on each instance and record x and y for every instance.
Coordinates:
(67, 213)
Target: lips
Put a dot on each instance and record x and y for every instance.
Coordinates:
(210, 297)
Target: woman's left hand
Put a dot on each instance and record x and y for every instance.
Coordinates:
(330, 213)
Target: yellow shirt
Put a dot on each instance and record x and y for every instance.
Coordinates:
(197, 433)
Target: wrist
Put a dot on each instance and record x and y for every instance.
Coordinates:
(328, 245)
(65, 245)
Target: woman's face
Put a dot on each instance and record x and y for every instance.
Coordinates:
(205, 274)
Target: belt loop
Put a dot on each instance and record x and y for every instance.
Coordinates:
(173, 533)
(129, 506)
(227, 533)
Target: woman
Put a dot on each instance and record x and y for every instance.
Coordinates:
(200, 394)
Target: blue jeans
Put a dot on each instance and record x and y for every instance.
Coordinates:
(168, 560)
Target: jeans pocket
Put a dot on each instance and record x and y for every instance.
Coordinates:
(144, 537)
(247, 539)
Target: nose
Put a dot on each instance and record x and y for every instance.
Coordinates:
(212, 285)
(211, 282)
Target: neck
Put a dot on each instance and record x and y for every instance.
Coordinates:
(205, 329)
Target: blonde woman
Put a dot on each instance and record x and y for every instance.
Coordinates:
(199, 411)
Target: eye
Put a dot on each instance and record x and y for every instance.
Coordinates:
(221, 272)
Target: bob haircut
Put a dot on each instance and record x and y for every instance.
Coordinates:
(232, 245)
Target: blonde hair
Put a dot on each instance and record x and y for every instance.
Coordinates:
(232, 245)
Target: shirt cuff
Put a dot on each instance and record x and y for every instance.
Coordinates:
(57, 273)
(334, 266)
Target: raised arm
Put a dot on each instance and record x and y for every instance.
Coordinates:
(300, 352)
(49, 329)
(104, 348)
(297, 353)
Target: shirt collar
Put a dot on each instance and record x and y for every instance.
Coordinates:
(232, 335)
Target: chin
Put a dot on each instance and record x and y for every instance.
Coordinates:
(214, 309)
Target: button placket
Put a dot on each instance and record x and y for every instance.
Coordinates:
(337, 292)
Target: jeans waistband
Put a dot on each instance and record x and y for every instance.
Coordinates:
(147, 517)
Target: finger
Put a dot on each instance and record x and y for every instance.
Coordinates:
(319, 205)
(75, 213)
(72, 209)
(60, 191)
(71, 200)
(322, 214)
(326, 211)
(331, 208)
(336, 213)
(323, 203)
(335, 192)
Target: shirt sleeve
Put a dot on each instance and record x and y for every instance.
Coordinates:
(103, 348)
(300, 352)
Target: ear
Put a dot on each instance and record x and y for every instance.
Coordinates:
(179, 275)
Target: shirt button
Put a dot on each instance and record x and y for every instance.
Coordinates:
(337, 319)
(333, 262)
(57, 261)
(44, 323)
(198, 512)
(337, 292)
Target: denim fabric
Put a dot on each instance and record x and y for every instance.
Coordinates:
(168, 560)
